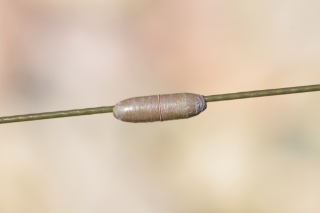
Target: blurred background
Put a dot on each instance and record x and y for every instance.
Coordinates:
(252, 156)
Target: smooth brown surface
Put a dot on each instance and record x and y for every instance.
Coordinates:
(159, 107)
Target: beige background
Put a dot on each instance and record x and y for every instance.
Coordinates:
(251, 156)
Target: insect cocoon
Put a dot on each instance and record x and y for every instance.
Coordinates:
(159, 107)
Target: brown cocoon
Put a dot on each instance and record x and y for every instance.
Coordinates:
(159, 107)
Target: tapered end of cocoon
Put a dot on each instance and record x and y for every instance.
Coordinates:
(160, 107)
(200, 103)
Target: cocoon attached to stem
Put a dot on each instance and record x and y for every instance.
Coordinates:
(160, 107)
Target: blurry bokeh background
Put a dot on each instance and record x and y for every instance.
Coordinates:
(248, 156)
